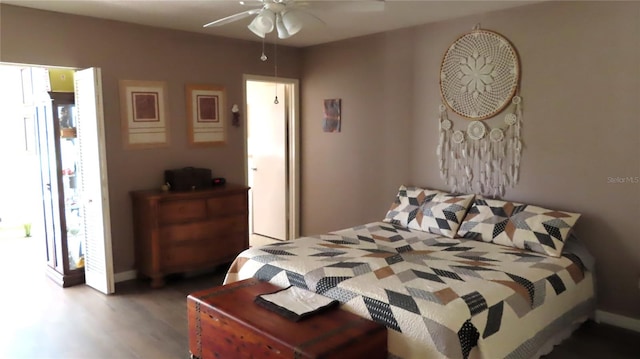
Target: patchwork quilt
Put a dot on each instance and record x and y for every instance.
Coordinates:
(439, 297)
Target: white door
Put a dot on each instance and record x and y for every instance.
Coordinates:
(267, 158)
(94, 190)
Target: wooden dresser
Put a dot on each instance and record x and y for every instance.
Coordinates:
(186, 231)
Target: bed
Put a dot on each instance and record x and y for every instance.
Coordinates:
(450, 276)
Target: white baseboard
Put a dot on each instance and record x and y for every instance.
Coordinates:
(618, 320)
(125, 276)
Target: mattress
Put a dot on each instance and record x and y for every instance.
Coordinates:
(438, 297)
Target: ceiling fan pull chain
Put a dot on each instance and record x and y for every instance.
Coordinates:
(275, 61)
(263, 57)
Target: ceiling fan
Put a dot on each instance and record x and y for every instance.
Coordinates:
(286, 16)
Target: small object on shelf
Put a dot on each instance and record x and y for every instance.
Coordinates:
(68, 132)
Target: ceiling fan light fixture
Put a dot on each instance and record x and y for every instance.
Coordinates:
(263, 23)
(282, 30)
(292, 22)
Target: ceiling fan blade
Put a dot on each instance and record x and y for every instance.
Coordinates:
(232, 18)
(346, 6)
(366, 6)
(252, 2)
(309, 15)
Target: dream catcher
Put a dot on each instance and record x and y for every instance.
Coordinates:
(479, 79)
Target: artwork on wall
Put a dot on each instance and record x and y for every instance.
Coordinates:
(479, 80)
(144, 114)
(205, 115)
(331, 119)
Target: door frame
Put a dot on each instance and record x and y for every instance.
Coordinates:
(292, 128)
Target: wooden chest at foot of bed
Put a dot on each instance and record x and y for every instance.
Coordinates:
(224, 322)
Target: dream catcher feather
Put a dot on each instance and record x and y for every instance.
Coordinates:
(479, 79)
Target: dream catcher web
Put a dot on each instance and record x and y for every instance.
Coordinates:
(479, 79)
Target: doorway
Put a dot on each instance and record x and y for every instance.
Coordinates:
(21, 227)
(272, 156)
(55, 187)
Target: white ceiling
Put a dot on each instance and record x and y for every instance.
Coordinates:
(343, 18)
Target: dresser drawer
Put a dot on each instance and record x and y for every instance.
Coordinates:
(210, 230)
(182, 211)
(199, 254)
(227, 204)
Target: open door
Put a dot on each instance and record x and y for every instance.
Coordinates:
(93, 184)
(272, 159)
(267, 158)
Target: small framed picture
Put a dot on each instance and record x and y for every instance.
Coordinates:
(331, 119)
(206, 118)
(144, 113)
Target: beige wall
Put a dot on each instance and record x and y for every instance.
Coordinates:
(581, 90)
(132, 52)
(349, 177)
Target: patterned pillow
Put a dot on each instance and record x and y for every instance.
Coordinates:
(518, 225)
(442, 214)
(404, 209)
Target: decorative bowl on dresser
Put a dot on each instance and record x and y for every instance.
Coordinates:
(178, 232)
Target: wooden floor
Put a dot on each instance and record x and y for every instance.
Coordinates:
(47, 321)
(41, 320)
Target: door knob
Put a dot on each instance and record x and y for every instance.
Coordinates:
(254, 168)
